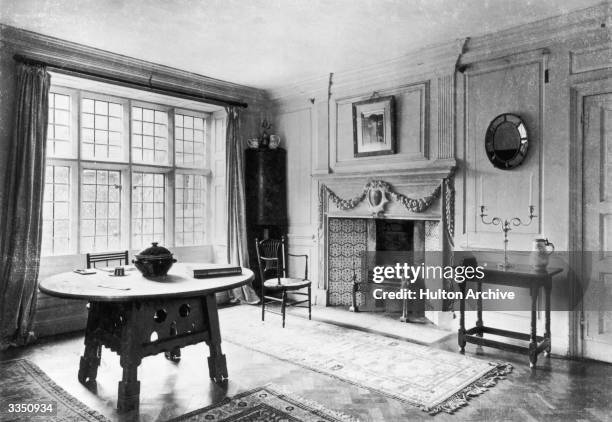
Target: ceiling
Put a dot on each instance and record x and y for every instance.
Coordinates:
(271, 43)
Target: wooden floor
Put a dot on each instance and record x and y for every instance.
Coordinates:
(558, 390)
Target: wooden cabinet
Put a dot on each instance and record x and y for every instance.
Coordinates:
(266, 198)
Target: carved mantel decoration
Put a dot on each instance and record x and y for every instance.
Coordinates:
(377, 193)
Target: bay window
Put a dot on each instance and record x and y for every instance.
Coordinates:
(122, 173)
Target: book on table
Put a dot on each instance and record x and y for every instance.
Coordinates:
(215, 270)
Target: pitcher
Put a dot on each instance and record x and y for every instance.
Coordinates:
(540, 254)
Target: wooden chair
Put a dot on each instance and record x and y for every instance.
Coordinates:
(93, 258)
(272, 258)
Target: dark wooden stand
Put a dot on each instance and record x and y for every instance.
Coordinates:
(265, 174)
(519, 276)
(126, 328)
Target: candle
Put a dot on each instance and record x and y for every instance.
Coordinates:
(531, 189)
(481, 191)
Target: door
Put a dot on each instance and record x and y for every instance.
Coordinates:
(597, 226)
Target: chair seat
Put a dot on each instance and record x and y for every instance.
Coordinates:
(286, 283)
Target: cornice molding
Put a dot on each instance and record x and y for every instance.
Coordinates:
(540, 34)
(79, 56)
(438, 60)
(415, 66)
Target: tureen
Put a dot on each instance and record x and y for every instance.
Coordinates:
(154, 261)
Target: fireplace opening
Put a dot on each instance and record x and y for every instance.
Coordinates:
(394, 235)
(394, 240)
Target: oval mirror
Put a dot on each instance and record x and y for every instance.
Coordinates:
(506, 141)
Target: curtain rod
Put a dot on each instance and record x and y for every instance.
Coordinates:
(130, 84)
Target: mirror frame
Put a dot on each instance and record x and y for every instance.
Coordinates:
(521, 152)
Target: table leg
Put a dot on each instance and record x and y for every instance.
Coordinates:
(90, 361)
(217, 365)
(461, 334)
(547, 289)
(533, 344)
(479, 323)
(129, 358)
(129, 386)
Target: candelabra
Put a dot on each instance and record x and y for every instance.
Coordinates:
(506, 227)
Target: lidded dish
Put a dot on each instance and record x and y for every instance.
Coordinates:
(155, 261)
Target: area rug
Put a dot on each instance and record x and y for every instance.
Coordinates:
(431, 379)
(265, 404)
(21, 381)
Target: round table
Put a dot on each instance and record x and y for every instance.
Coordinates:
(137, 317)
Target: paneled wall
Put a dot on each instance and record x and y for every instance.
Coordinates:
(295, 126)
(411, 103)
(512, 85)
(445, 104)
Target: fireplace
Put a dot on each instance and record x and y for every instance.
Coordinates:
(404, 215)
(396, 240)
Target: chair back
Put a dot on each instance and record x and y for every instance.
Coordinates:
(107, 258)
(271, 257)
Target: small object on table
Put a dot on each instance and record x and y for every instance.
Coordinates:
(518, 276)
(216, 270)
(541, 251)
(83, 271)
(155, 261)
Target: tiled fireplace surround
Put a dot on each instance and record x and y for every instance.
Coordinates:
(350, 208)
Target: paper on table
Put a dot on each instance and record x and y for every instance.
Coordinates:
(83, 271)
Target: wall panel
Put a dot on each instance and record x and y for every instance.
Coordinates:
(493, 89)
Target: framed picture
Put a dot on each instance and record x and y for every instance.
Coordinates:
(374, 127)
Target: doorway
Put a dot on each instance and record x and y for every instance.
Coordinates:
(597, 226)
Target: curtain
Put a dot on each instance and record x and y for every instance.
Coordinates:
(237, 252)
(21, 232)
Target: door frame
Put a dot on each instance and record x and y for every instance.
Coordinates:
(578, 92)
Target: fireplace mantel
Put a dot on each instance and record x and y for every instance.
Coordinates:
(416, 172)
(424, 192)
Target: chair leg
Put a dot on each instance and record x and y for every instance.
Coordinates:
(263, 307)
(284, 306)
(309, 303)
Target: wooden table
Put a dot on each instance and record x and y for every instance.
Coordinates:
(137, 317)
(517, 276)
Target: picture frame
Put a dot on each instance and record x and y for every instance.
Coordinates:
(374, 127)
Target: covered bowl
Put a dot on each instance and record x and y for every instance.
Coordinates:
(155, 261)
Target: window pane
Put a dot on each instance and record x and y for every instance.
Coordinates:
(189, 141)
(150, 136)
(59, 138)
(148, 208)
(56, 211)
(189, 209)
(101, 127)
(100, 210)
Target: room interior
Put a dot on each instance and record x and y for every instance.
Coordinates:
(351, 136)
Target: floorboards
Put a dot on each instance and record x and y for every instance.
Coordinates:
(559, 389)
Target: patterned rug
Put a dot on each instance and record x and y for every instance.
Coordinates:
(23, 382)
(431, 379)
(264, 404)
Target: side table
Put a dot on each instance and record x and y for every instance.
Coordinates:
(517, 276)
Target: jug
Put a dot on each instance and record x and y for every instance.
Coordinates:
(540, 253)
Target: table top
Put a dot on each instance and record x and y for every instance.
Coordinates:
(103, 286)
(518, 270)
